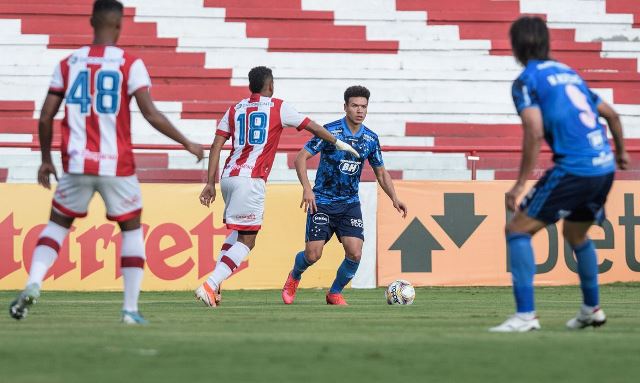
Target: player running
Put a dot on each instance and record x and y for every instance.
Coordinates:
(97, 83)
(254, 126)
(554, 103)
(333, 205)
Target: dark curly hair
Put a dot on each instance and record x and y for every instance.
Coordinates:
(356, 91)
(529, 39)
(258, 76)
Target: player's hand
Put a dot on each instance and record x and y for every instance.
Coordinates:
(341, 145)
(46, 169)
(624, 160)
(308, 203)
(401, 208)
(512, 195)
(195, 149)
(208, 195)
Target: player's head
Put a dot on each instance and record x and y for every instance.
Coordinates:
(106, 18)
(529, 39)
(261, 81)
(356, 101)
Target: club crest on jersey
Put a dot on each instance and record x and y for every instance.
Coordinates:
(349, 167)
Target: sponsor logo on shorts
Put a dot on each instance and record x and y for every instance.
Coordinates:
(245, 217)
(131, 202)
(349, 167)
(356, 222)
(320, 219)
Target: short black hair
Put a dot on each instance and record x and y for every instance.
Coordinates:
(356, 91)
(529, 39)
(102, 7)
(258, 76)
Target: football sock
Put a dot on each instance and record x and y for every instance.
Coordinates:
(588, 272)
(227, 263)
(132, 267)
(228, 242)
(345, 273)
(299, 266)
(46, 252)
(523, 269)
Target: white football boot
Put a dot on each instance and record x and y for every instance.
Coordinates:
(587, 317)
(517, 323)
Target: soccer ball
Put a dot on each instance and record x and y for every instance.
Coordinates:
(400, 292)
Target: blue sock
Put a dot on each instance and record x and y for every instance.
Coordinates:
(345, 273)
(588, 272)
(299, 266)
(523, 268)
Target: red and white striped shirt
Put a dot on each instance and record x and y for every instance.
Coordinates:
(254, 125)
(97, 82)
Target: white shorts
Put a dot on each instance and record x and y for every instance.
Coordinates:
(243, 202)
(121, 195)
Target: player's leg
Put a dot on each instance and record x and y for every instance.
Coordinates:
(311, 254)
(123, 199)
(229, 241)
(317, 232)
(70, 200)
(351, 233)
(347, 270)
(575, 231)
(244, 210)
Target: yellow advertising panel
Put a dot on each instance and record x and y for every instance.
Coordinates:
(455, 237)
(182, 239)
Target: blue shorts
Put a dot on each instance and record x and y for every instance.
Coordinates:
(345, 220)
(560, 195)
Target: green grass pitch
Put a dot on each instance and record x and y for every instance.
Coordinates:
(75, 337)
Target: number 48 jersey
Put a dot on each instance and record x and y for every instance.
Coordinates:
(97, 83)
(255, 125)
(570, 116)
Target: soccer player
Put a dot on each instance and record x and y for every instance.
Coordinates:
(333, 205)
(97, 82)
(254, 125)
(554, 103)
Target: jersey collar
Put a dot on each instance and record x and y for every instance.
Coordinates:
(347, 131)
(255, 97)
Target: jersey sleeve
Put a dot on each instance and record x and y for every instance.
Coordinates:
(224, 129)
(138, 77)
(291, 117)
(524, 94)
(57, 82)
(315, 145)
(595, 99)
(375, 157)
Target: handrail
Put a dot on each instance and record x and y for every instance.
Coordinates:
(470, 152)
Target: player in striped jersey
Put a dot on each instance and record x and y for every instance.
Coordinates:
(97, 83)
(254, 126)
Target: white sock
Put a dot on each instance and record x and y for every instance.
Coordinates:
(46, 252)
(132, 266)
(227, 263)
(531, 315)
(228, 242)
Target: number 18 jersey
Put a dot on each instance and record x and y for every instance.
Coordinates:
(255, 125)
(97, 83)
(570, 115)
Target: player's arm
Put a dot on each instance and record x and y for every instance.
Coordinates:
(615, 127)
(308, 197)
(322, 133)
(160, 122)
(532, 126)
(208, 194)
(386, 183)
(45, 132)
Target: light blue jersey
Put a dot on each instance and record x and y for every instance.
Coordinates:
(338, 176)
(570, 114)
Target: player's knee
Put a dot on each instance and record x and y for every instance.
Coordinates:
(574, 239)
(354, 255)
(313, 255)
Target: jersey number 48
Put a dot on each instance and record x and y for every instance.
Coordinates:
(106, 96)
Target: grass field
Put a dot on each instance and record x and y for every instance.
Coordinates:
(76, 337)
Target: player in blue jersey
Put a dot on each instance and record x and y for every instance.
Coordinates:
(333, 205)
(554, 103)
